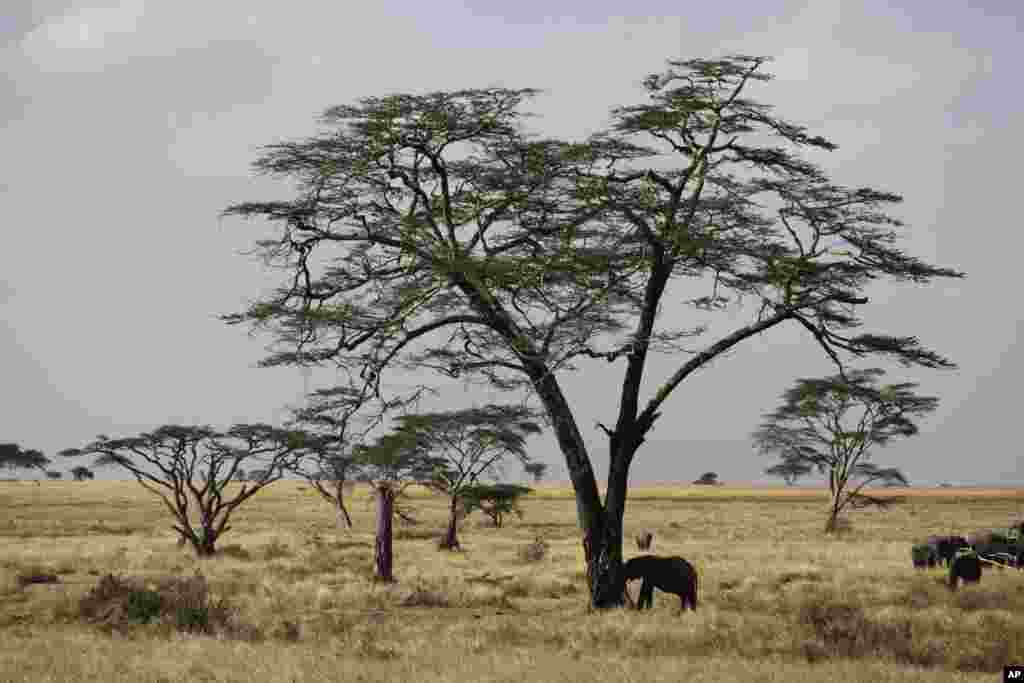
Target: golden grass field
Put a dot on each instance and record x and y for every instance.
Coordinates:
(778, 602)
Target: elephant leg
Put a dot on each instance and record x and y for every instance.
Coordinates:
(647, 594)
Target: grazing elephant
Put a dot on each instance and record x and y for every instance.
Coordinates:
(643, 540)
(924, 555)
(947, 546)
(965, 567)
(669, 574)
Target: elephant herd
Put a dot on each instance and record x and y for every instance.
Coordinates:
(965, 556)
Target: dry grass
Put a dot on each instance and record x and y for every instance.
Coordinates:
(290, 598)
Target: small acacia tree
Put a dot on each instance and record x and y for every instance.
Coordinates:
(790, 470)
(707, 479)
(431, 231)
(390, 465)
(468, 444)
(81, 473)
(537, 470)
(831, 424)
(188, 466)
(494, 500)
(337, 420)
(13, 457)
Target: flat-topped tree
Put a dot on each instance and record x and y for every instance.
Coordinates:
(494, 500)
(391, 464)
(13, 457)
(790, 469)
(831, 424)
(189, 468)
(430, 231)
(537, 470)
(469, 444)
(336, 420)
(82, 473)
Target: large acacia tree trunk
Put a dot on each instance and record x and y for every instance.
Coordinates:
(601, 524)
(382, 552)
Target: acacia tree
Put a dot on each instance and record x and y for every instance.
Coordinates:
(831, 424)
(469, 444)
(537, 470)
(336, 421)
(430, 231)
(790, 470)
(186, 466)
(707, 479)
(81, 473)
(330, 464)
(390, 465)
(13, 457)
(494, 500)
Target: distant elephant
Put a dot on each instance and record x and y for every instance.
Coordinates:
(669, 574)
(946, 547)
(643, 540)
(924, 555)
(965, 567)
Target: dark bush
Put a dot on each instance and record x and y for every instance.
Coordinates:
(143, 606)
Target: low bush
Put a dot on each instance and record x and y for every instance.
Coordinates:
(534, 551)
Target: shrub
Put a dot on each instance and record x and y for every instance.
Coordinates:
(182, 602)
(845, 631)
(143, 606)
(534, 551)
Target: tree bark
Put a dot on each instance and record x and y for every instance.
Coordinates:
(834, 508)
(344, 520)
(603, 547)
(382, 550)
(451, 536)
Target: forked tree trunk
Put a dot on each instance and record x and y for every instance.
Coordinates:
(382, 551)
(203, 542)
(603, 553)
(603, 547)
(601, 524)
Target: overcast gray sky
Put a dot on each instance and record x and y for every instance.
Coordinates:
(128, 126)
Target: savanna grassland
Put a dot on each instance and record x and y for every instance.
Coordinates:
(291, 598)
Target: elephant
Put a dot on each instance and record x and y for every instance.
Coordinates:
(669, 574)
(946, 547)
(965, 567)
(924, 555)
(644, 539)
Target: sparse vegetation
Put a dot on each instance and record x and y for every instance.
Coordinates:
(776, 600)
